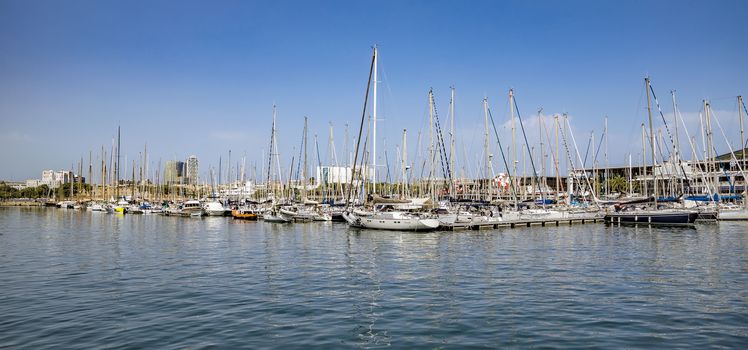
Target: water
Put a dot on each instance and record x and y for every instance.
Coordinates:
(71, 279)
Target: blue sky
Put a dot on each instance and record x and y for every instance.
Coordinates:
(201, 77)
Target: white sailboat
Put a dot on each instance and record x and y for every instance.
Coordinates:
(392, 220)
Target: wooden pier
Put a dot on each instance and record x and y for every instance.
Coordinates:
(494, 224)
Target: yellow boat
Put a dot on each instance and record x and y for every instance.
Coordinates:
(245, 214)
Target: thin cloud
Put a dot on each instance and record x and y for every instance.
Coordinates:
(16, 136)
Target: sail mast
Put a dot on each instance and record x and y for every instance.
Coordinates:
(431, 141)
(374, 128)
(677, 137)
(607, 166)
(514, 141)
(116, 188)
(486, 153)
(742, 135)
(303, 171)
(403, 166)
(452, 137)
(360, 130)
(652, 142)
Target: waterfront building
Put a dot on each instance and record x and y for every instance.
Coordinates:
(54, 179)
(174, 172)
(192, 170)
(34, 183)
(339, 174)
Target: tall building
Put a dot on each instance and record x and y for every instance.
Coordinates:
(192, 170)
(53, 179)
(174, 172)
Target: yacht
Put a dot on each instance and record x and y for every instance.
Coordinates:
(214, 208)
(392, 220)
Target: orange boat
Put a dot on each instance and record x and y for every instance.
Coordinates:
(246, 214)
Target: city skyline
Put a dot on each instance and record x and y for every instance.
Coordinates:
(205, 82)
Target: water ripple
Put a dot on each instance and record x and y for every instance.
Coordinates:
(71, 279)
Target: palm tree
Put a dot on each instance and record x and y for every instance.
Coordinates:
(618, 184)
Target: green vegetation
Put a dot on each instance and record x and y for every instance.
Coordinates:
(7, 192)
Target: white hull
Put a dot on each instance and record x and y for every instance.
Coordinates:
(276, 218)
(392, 221)
(733, 214)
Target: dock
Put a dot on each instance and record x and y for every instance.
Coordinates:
(495, 224)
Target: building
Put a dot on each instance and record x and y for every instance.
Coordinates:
(192, 170)
(174, 172)
(34, 183)
(54, 179)
(338, 174)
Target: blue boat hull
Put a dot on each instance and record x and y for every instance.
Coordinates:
(652, 218)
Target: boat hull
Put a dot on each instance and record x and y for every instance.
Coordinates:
(652, 218)
(396, 224)
(733, 215)
(236, 214)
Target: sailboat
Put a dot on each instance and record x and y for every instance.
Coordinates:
(384, 216)
(655, 215)
(273, 214)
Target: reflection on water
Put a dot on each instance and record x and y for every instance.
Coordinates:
(72, 278)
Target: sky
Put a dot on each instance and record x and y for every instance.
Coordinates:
(201, 77)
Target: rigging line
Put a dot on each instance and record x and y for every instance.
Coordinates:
(360, 129)
(553, 154)
(301, 151)
(440, 142)
(503, 157)
(527, 146)
(694, 148)
(584, 170)
(746, 110)
(272, 141)
(566, 147)
(732, 153)
(669, 135)
(599, 145)
(587, 152)
(387, 163)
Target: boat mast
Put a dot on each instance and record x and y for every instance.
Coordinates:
(742, 135)
(103, 173)
(360, 130)
(555, 160)
(90, 174)
(709, 154)
(404, 166)
(677, 137)
(270, 156)
(486, 154)
(652, 142)
(303, 171)
(542, 151)
(431, 142)
(452, 137)
(607, 174)
(116, 186)
(514, 141)
(742, 143)
(594, 188)
(374, 128)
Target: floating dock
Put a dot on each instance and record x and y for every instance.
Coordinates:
(494, 224)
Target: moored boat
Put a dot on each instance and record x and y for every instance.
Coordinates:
(244, 213)
(653, 217)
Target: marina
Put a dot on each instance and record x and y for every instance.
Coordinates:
(373, 175)
(667, 190)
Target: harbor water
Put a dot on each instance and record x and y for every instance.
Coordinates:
(76, 279)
